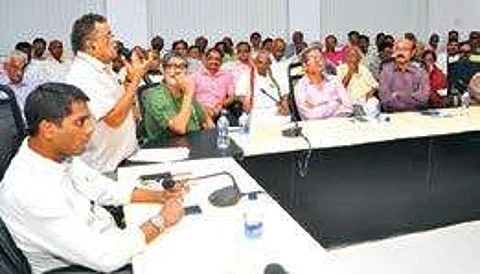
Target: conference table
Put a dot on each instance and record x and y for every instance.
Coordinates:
(214, 241)
(404, 173)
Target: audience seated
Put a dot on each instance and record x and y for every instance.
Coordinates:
(256, 42)
(12, 75)
(170, 108)
(56, 66)
(319, 96)
(297, 39)
(243, 62)
(279, 64)
(26, 48)
(260, 92)
(157, 44)
(214, 92)
(384, 55)
(202, 43)
(214, 87)
(356, 78)
(331, 54)
(403, 86)
(438, 80)
(52, 202)
(36, 68)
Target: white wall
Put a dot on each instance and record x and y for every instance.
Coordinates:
(136, 21)
(216, 18)
(128, 19)
(23, 20)
(463, 15)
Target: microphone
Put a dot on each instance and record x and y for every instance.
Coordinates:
(223, 197)
(269, 96)
(274, 268)
(226, 196)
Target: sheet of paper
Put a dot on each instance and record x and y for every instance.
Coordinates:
(160, 155)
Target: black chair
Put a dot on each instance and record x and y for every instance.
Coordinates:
(12, 260)
(12, 127)
(295, 73)
(460, 73)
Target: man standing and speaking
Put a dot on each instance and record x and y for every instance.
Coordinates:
(111, 104)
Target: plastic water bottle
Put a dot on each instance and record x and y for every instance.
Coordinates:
(244, 123)
(223, 141)
(465, 100)
(252, 220)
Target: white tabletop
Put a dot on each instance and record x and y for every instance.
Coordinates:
(447, 250)
(214, 242)
(337, 132)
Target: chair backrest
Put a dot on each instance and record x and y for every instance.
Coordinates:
(141, 94)
(12, 260)
(295, 73)
(12, 128)
(461, 72)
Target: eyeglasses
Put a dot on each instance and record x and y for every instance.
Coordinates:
(180, 66)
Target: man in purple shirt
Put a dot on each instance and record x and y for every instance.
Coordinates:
(214, 87)
(403, 86)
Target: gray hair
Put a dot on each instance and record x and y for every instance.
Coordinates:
(17, 55)
(305, 52)
(172, 54)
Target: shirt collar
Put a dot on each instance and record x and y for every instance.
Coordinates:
(409, 68)
(94, 62)
(205, 71)
(47, 164)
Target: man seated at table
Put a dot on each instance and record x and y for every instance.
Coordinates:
(214, 88)
(403, 86)
(52, 202)
(318, 96)
(357, 79)
(170, 108)
(268, 97)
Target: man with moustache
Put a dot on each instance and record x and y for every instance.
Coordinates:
(403, 86)
(214, 87)
(51, 201)
(112, 104)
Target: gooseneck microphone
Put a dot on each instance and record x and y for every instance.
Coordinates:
(269, 96)
(223, 197)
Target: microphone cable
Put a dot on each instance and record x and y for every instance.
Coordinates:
(302, 164)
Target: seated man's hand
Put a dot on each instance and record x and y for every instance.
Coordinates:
(172, 212)
(177, 192)
(283, 108)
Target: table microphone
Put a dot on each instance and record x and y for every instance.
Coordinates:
(223, 197)
(274, 268)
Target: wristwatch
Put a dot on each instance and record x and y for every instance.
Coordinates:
(158, 222)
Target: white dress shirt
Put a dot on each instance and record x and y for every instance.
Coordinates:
(108, 146)
(36, 71)
(263, 104)
(52, 211)
(280, 73)
(56, 71)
